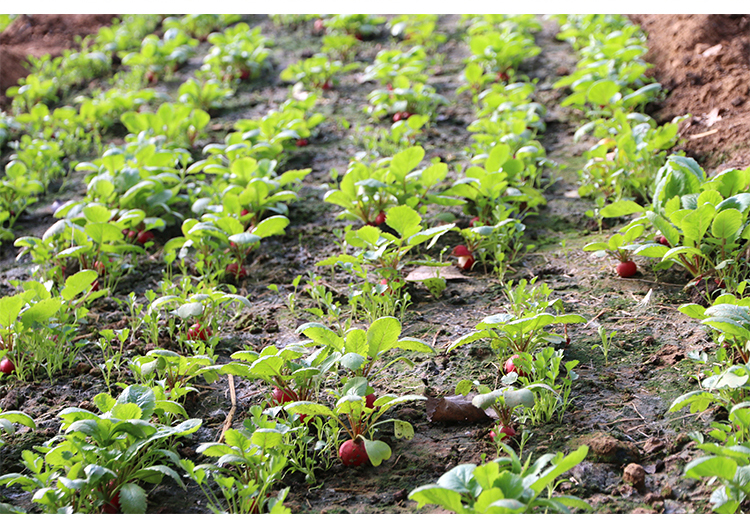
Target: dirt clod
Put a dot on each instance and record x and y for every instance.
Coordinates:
(611, 450)
(635, 475)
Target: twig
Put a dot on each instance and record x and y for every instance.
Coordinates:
(703, 135)
(436, 336)
(252, 394)
(230, 416)
(636, 410)
(595, 317)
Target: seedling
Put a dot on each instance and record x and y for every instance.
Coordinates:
(359, 421)
(618, 247)
(503, 401)
(496, 487)
(97, 469)
(606, 344)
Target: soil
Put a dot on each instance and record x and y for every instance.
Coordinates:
(704, 62)
(620, 404)
(38, 35)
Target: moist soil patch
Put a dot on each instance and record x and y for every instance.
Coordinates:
(619, 402)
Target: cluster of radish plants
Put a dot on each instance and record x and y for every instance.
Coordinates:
(680, 217)
(609, 87)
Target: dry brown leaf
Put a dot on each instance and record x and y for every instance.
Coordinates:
(454, 408)
(712, 117)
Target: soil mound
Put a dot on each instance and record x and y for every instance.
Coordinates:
(704, 62)
(38, 35)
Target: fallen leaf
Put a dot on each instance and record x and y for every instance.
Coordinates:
(712, 117)
(425, 273)
(712, 51)
(454, 408)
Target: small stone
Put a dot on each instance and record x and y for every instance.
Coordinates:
(642, 510)
(666, 492)
(635, 475)
(651, 498)
(95, 371)
(400, 495)
(82, 368)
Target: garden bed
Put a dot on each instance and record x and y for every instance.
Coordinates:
(619, 403)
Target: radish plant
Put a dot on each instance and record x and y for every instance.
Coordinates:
(361, 352)
(238, 53)
(522, 329)
(317, 72)
(359, 422)
(385, 255)
(505, 486)
(405, 96)
(258, 464)
(160, 57)
(366, 190)
(95, 468)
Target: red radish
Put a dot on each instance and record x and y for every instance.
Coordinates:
(132, 234)
(475, 220)
(465, 258)
(380, 218)
(405, 115)
(281, 396)
(353, 453)
(663, 240)
(466, 262)
(327, 85)
(511, 367)
(95, 285)
(503, 76)
(397, 117)
(99, 267)
(6, 366)
(370, 401)
(236, 270)
(384, 281)
(243, 212)
(197, 332)
(244, 74)
(626, 269)
(112, 506)
(151, 77)
(505, 429)
(389, 87)
(144, 236)
(302, 142)
(461, 250)
(319, 26)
